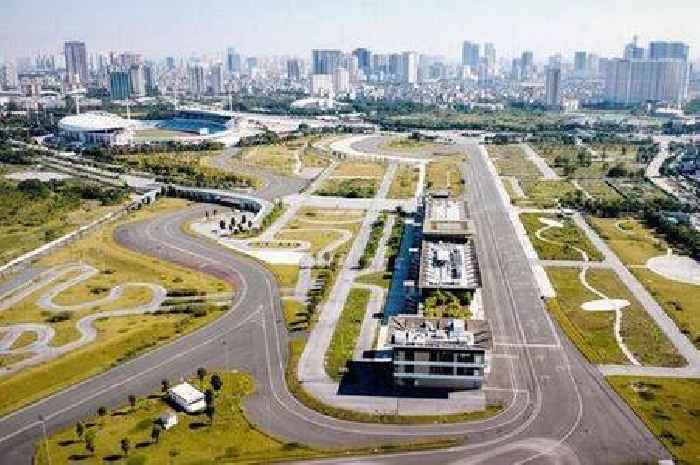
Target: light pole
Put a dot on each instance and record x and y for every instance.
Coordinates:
(46, 439)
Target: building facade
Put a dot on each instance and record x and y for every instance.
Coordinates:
(76, 63)
(119, 85)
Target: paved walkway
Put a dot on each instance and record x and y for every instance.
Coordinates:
(664, 322)
(547, 172)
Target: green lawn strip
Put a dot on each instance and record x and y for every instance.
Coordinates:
(591, 332)
(679, 300)
(407, 144)
(510, 160)
(227, 438)
(570, 236)
(640, 333)
(444, 174)
(634, 245)
(599, 189)
(380, 278)
(359, 188)
(375, 236)
(295, 314)
(287, 275)
(545, 193)
(347, 330)
(670, 408)
(296, 347)
(403, 186)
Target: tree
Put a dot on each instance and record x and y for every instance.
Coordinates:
(216, 382)
(209, 397)
(132, 400)
(201, 374)
(222, 224)
(102, 411)
(210, 413)
(90, 441)
(125, 445)
(164, 385)
(79, 429)
(155, 432)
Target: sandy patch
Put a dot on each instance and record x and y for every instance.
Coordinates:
(605, 305)
(676, 268)
(552, 223)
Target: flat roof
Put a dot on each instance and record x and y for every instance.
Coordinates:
(445, 217)
(411, 331)
(448, 265)
(93, 122)
(187, 392)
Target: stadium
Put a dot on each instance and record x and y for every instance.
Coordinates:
(96, 128)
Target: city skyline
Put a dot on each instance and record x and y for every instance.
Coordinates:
(273, 27)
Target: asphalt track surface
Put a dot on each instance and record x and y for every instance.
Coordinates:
(562, 412)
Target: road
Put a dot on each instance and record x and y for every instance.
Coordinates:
(561, 410)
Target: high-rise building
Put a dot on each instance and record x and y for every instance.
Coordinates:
(294, 68)
(580, 63)
(8, 76)
(633, 51)
(137, 79)
(635, 81)
(119, 85)
(490, 54)
(76, 62)
(661, 49)
(553, 87)
(216, 79)
(341, 80)
(593, 65)
(233, 61)
(470, 54)
(354, 68)
(170, 63)
(195, 74)
(380, 66)
(149, 79)
(409, 68)
(364, 60)
(321, 85)
(527, 64)
(325, 61)
(395, 60)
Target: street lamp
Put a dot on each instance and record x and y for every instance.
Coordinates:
(42, 419)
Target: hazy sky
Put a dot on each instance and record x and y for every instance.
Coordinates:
(271, 27)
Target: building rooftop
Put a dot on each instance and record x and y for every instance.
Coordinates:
(445, 217)
(418, 331)
(93, 122)
(187, 393)
(448, 265)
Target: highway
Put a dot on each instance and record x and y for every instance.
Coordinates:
(561, 411)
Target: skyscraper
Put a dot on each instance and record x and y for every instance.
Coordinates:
(137, 79)
(490, 54)
(233, 61)
(364, 60)
(580, 63)
(216, 79)
(661, 49)
(470, 54)
(635, 81)
(8, 76)
(341, 80)
(409, 68)
(76, 62)
(119, 85)
(294, 67)
(633, 51)
(527, 64)
(553, 87)
(325, 61)
(195, 74)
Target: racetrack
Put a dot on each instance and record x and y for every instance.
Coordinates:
(560, 411)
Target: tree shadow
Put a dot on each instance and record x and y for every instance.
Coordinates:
(67, 442)
(143, 444)
(112, 457)
(198, 425)
(78, 457)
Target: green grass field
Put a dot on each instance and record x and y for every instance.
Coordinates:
(633, 243)
(670, 408)
(346, 332)
(592, 332)
(545, 193)
(118, 338)
(570, 236)
(403, 186)
(408, 145)
(510, 160)
(229, 438)
(444, 174)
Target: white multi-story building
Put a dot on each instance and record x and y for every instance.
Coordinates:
(197, 84)
(635, 81)
(341, 80)
(409, 67)
(216, 79)
(322, 85)
(137, 80)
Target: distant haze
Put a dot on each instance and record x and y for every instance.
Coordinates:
(285, 27)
